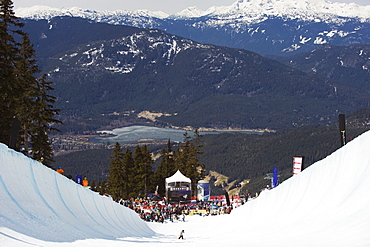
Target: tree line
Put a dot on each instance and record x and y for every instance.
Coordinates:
(24, 94)
(131, 173)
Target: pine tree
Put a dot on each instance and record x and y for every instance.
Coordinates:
(165, 169)
(93, 185)
(128, 174)
(35, 108)
(115, 174)
(187, 161)
(9, 49)
(144, 171)
(22, 95)
(25, 68)
(102, 187)
(43, 121)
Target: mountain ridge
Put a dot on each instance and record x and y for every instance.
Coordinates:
(255, 9)
(350, 64)
(113, 70)
(267, 27)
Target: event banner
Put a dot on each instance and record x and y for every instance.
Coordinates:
(275, 178)
(203, 191)
(297, 165)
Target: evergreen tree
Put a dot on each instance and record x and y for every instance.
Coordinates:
(128, 173)
(43, 122)
(197, 146)
(35, 108)
(143, 168)
(165, 169)
(21, 94)
(25, 68)
(102, 187)
(9, 49)
(93, 185)
(115, 177)
(187, 161)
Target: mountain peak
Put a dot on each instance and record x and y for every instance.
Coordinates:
(294, 9)
(46, 12)
(247, 10)
(190, 12)
(280, 26)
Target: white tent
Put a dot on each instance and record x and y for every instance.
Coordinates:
(177, 177)
(178, 188)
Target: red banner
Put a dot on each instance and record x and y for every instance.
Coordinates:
(297, 165)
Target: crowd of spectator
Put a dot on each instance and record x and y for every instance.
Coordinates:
(160, 211)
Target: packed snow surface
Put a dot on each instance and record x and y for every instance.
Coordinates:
(327, 204)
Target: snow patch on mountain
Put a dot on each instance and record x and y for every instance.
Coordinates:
(246, 24)
(46, 12)
(247, 11)
(294, 9)
(122, 55)
(189, 13)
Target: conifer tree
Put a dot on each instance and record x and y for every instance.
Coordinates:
(115, 174)
(22, 95)
(35, 108)
(25, 68)
(187, 161)
(127, 176)
(43, 121)
(9, 49)
(144, 171)
(102, 187)
(165, 169)
(93, 185)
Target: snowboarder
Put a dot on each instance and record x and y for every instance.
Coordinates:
(181, 234)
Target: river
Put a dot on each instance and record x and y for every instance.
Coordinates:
(136, 133)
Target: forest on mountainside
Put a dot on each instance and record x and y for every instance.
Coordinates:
(240, 156)
(96, 73)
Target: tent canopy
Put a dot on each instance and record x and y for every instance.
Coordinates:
(178, 177)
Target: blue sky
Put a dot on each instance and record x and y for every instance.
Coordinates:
(169, 6)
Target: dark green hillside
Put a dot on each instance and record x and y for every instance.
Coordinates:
(91, 163)
(243, 156)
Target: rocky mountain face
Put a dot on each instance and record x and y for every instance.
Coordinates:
(100, 69)
(267, 27)
(350, 64)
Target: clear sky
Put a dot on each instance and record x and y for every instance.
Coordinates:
(169, 6)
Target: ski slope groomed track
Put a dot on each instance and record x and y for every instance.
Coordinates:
(328, 204)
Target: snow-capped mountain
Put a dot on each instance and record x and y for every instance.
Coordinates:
(268, 27)
(250, 11)
(247, 11)
(124, 54)
(102, 68)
